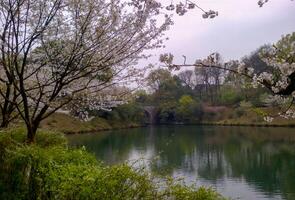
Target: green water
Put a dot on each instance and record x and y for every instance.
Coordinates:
(240, 162)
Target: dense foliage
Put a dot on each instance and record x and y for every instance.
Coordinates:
(190, 96)
(127, 113)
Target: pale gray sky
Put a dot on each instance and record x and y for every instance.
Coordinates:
(240, 28)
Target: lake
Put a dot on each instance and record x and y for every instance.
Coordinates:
(239, 162)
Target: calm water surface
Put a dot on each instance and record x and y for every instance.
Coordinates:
(247, 163)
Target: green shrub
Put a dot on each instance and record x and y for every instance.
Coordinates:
(230, 96)
(32, 172)
(182, 192)
(12, 138)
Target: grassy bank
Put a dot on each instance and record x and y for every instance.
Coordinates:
(50, 170)
(228, 117)
(70, 125)
(246, 117)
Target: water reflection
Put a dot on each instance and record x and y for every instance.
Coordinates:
(245, 162)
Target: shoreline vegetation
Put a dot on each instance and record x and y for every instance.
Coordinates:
(49, 169)
(70, 125)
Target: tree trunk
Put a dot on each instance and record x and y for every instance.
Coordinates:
(8, 106)
(31, 133)
(4, 122)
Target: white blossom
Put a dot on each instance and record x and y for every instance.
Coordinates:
(262, 2)
(166, 58)
(268, 119)
(210, 14)
(183, 6)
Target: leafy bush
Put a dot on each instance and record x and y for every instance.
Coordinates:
(182, 192)
(230, 96)
(130, 112)
(188, 110)
(55, 172)
(33, 172)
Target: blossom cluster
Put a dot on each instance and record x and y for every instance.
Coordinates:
(262, 2)
(182, 7)
(210, 14)
(280, 78)
(166, 58)
(281, 61)
(83, 104)
(268, 119)
(289, 114)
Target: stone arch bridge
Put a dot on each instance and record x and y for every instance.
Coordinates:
(151, 112)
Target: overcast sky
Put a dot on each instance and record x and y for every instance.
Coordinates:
(240, 28)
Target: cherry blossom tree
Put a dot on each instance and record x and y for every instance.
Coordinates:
(58, 50)
(39, 37)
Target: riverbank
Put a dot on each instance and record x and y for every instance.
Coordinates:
(230, 116)
(226, 123)
(247, 117)
(70, 125)
(231, 124)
